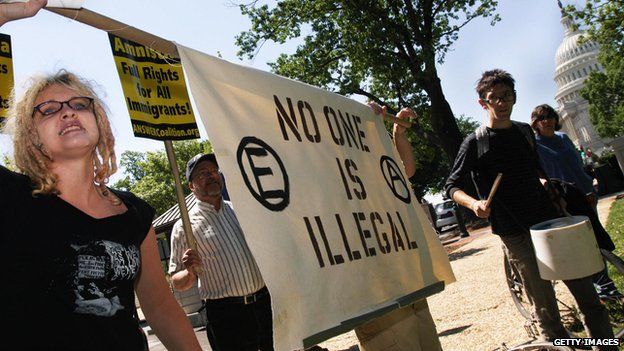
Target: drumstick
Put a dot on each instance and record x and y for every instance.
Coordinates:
(494, 188)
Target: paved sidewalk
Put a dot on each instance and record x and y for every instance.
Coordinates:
(156, 345)
(476, 312)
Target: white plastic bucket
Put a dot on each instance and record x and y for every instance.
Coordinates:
(566, 248)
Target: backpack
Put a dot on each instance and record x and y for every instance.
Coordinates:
(483, 145)
(483, 140)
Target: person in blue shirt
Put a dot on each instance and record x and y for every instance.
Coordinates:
(563, 165)
(558, 155)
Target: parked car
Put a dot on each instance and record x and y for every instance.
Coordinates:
(445, 214)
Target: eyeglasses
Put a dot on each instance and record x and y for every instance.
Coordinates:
(48, 108)
(544, 117)
(205, 173)
(508, 97)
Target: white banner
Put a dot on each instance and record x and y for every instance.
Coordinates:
(322, 197)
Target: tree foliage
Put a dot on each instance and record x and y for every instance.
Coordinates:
(8, 162)
(386, 51)
(148, 175)
(432, 166)
(605, 90)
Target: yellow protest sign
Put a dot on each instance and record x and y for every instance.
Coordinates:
(155, 92)
(6, 74)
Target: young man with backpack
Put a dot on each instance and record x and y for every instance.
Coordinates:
(508, 147)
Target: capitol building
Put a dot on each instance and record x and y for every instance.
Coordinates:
(574, 62)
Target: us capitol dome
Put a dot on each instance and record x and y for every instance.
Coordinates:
(574, 62)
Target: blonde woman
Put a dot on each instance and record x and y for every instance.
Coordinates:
(75, 251)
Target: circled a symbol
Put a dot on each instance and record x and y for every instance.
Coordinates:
(394, 178)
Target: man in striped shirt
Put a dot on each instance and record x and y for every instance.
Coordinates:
(238, 305)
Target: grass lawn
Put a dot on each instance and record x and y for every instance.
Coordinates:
(615, 228)
(615, 224)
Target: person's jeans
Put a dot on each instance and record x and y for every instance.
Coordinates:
(240, 327)
(519, 249)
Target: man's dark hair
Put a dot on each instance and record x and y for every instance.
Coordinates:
(491, 78)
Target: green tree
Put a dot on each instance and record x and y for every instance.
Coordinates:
(605, 90)
(8, 162)
(148, 175)
(386, 51)
(433, 167)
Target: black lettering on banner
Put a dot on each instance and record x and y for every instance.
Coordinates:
(410, 244)
(385, 246)
(353, 255)
(290, 119)
(131, 70)
(156, 111)
(349, 129)
(364, 234)
(338, 139)
(165, 131)
(139, 53)
(5, 46)
(350, 124)
(154, 91)
(315, 244)
(160, 75)
(392, 174)
(396, 237)
(333, 259)
(350, 168)
(254, 148)
(317, 135)
(144, 92)
(163, 92)
(319, 225)
(344, 180)
(344, 235)
(360, 133)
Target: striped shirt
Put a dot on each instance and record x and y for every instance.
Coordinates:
(228, 268)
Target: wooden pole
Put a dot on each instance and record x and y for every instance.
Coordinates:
(120, 29)
(186, 222)
(157, 43)
(394, 119)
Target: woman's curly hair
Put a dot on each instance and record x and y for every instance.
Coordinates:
(32, 158)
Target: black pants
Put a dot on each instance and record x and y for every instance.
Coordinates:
(240, 327)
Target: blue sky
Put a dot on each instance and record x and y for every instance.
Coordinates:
(524, 43)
